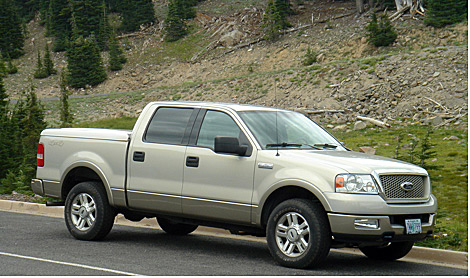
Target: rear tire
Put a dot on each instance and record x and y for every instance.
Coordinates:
(298, 233)
(391, 252)
(87, 212)
(174, 228)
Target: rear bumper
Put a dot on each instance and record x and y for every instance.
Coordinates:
(351, 228)
(38, 186)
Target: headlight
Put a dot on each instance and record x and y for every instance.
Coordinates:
(348, 183)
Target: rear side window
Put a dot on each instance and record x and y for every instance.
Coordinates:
(168, 125)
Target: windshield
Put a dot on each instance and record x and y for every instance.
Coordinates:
(293, 131)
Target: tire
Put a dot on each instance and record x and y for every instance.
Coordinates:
(391, 252)
(88, 215)
(174, 228)
(298, 233)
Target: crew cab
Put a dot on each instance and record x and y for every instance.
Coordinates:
(252, 170)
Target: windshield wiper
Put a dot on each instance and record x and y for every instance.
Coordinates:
(285, 144)
(326, 146)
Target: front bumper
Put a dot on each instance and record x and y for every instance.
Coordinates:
(350, 228)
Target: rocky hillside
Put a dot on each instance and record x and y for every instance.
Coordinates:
(423, 76)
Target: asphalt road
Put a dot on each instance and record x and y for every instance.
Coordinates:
(40, 245)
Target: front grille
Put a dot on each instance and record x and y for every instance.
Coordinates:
(393, 190)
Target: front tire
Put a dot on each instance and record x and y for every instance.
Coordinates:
(298, 233)
(88, 215)
(174, 228)
(391, 252)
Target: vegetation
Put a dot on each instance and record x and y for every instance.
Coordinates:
(175, 27)
(274, 20)
(11, 31)
(45, 69)
(66, 117)
(380, 30)
(448, 171)
(84, 64)
(136, 13)
(445, 12)
(116, 55)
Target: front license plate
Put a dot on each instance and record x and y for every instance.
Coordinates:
(413, 226)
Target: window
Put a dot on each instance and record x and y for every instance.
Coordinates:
(216, 124)
(168, 125)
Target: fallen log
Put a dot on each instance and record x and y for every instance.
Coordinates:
(374, 121)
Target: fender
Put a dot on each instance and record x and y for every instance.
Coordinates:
(95, 168)
(257, 213)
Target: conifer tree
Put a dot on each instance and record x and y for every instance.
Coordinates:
(84, 63)
(116, 55)
(11, 69)
(40, 70)
(60, 15)
(3, 68)
(136, 13)
(11, 31)
(175, 28)
(48, 64)
(272, 21)
(5, 141)
(284, 10)
(186, 8)
(66, 117)
(445, 12)
(380, 31)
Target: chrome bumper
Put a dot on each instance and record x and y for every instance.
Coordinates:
(38, 186)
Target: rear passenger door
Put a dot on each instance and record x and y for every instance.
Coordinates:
(217, 186)
(157, 158)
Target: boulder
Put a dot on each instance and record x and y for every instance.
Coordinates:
(359, 125)
(367, 150)
(231, 39)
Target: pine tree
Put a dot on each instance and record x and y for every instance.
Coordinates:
(11, 31)
(284, 9)
(48, 64)
(60, 15)
(66, 117)
(380, 31)
(3, 68)
(186, 8)
(136, 13)
(175, 28)
(40, 70)
(116, 56)
(445, 12)
(84, 63)
(272, 21)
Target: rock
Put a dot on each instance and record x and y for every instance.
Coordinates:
(367, 150)
(451, 138)
(231, 39)
(359, 125)
(437, 121)
(436, 74)
(340, 128)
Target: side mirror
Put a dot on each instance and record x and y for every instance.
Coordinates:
(229, 145)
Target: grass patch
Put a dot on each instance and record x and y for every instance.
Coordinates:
(113, 123)
(449, 180)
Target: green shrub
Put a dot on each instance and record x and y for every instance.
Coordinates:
(309, 58)
(380, 31)
(445, 12)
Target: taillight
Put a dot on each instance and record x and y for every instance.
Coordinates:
(40, 155)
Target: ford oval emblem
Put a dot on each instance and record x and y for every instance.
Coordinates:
(407, 186)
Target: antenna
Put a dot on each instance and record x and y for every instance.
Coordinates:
(277, 129)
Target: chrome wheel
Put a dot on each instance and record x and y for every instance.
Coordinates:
(292, 234)
(83, 212)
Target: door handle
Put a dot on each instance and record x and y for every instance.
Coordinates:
(192, 161)
(139, 156)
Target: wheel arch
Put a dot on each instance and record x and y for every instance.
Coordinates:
(82, 172)
(288, 191)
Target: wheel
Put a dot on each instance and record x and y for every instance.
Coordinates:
(88, 215)
(390, 252)
(298, 233)
(174, 228)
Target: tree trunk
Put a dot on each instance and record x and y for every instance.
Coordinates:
(360, 6)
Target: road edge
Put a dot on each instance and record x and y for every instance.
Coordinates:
(417, 254)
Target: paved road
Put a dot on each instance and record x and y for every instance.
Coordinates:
(40, 245)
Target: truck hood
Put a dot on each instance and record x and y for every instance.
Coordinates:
(352, 162)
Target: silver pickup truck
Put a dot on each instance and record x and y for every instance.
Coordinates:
(252, 170)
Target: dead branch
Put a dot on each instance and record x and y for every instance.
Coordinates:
(324, 111)
(450, 120)
(437, 103)
(374, 121)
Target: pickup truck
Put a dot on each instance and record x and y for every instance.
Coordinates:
(251, 170)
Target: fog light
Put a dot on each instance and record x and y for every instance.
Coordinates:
(366, 224)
